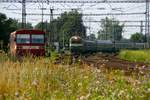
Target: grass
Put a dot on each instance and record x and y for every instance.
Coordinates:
(136, 55)
(40, 79)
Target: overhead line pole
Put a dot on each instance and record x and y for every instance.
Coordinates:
(23, 13)
(51, 19)
(42, 17)
(147, 23)
(141, 28)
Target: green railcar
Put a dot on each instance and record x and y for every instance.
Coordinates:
(79, 46)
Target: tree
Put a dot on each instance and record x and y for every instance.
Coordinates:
(8, 25)
(28, 25)
(110, 30)
(65, 26)
(40, 25)
(137, 37)
(91, 37)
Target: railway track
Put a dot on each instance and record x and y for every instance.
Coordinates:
(111, 61)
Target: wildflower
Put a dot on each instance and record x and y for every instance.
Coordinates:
(36, 69)
(35, 82)
(96, 89)
(88, 95)
(98, 70)
(106, 60)
(97, 82)
(120, 93)
(82, 98)
(17, 94)
(143, 66)
(148, 90)
(85, 77)
(141, 72)
(103, 65)
(79, 84)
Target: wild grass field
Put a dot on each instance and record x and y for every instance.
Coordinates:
(40, 79)
(136, 55)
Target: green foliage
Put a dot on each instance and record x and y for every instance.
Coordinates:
(8, 25)
(28, 25)
(39, 25)
(65, 26)
(91, 37)
(135, 55)
(137, 37)
(111, 29)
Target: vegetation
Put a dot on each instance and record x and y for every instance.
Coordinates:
(111, 29)
(91, 37)
(8, 25)
(39, 79)
(138, 37)
(65, 26)
(135, 55)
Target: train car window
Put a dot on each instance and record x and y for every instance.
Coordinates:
(37, 38)
(23, 38)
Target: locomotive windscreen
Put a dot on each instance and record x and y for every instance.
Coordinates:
(37, 38)
(23, 38)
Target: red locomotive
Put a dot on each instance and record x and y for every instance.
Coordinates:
(23, 42)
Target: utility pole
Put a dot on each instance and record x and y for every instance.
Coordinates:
(51, 35)
(42, 9)
(23, 13)
(147, 23)
(141, 28)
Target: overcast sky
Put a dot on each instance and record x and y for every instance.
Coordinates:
(102, 8)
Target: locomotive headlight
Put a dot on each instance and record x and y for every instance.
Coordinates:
(15, 47)
(75, 38)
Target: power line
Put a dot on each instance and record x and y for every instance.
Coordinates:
(103, 14)
(73, 1)
(54, 9)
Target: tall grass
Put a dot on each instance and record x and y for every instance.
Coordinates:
(136, 55)
(39, 79)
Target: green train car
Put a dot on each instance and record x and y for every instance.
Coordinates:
(79, 46)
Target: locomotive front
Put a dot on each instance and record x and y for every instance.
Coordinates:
(76, 45)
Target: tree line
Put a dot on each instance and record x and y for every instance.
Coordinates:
(67, 25)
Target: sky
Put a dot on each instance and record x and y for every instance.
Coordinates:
(13, 10)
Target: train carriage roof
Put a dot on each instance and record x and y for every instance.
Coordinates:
(103, 41)
(28, 31)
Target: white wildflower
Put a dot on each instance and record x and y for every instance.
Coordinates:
(17, 94)
(97, 82)
(148, 90)
(35, 82)
(79, 84)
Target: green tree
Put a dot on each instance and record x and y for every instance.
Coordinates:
(110, 29)
(28, 25)
(91, 37)
(137, 37)
(65, 26)
(41, 25)
(8, 25)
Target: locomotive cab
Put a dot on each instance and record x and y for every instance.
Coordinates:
(76, 44)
